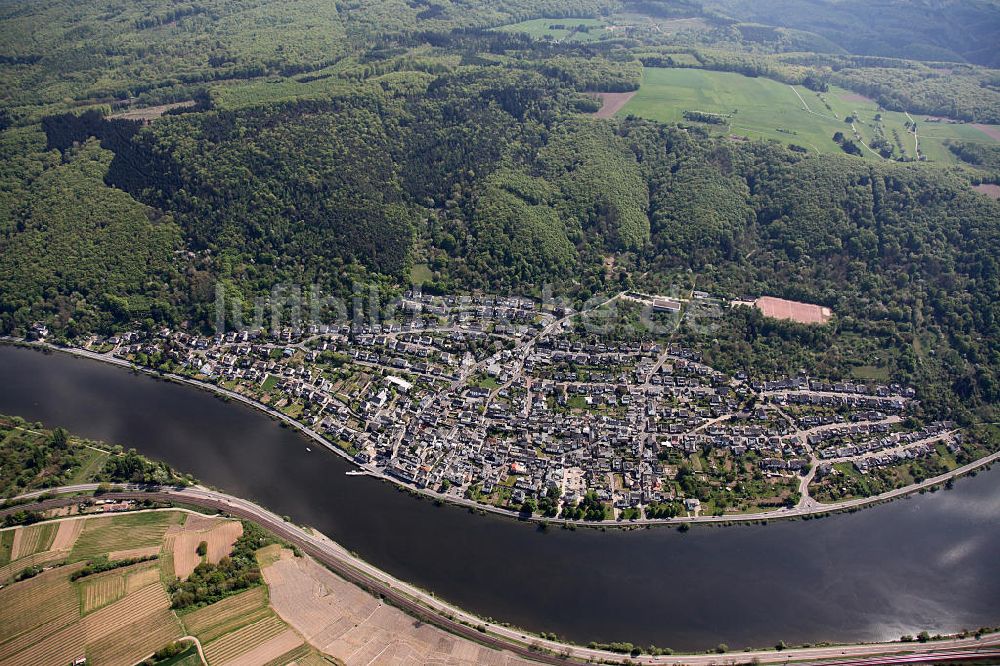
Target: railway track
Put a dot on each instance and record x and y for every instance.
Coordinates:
(967, 651)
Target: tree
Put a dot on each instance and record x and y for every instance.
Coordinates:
(59, 438)
(202, 549)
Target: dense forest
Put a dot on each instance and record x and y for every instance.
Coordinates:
(390, 134)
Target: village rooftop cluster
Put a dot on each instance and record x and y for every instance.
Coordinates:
(519, 410)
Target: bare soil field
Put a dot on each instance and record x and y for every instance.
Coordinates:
(803, 313)
(990, 190)
(612, 103)
(992, 131)
(220, 535)
(67, 534)
(130, 553)
(855, 97)
(345, 622)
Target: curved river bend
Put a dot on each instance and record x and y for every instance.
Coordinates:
(927, 562)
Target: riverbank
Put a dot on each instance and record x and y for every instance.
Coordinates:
(801, 511)
(462, 623)
(844, 578)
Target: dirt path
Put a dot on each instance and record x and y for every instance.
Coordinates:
(805, 106)
(916, 139)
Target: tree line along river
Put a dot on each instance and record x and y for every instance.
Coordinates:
(927, 562)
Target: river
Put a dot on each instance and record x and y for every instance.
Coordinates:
(930, 561)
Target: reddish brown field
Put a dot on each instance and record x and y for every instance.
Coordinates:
(991, 131)
(612, 103)
(990, 190)
(66, 536)
(804, 313)
(220, 536)
(855, 97)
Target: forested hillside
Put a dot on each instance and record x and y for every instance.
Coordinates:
(952, 30)
(340, 142)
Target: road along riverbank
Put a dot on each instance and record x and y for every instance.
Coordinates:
(802, 510)
(427, 607)
(915, 564)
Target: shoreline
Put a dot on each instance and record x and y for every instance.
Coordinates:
(455, 620)
(804, 512)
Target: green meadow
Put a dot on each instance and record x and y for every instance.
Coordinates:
(761, 108)
(567, 30)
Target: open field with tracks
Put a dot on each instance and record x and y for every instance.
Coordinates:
(116, 617)
(182, 541)
(108, 534)
(342, 620)
(760, 108)
(120, 616)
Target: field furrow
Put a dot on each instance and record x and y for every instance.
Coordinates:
(265, 652)
(12, 568)
(36, 601)
(33, 539)
(101, 591)
(126, 612)
(146, 635)
(243, 640)
(57, 649)
(225, 612)
(105, 535)
(28, 638)
(67, 534)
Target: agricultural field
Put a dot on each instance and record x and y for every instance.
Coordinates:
(6, 544)
(182, 541)
(258, 643)
(31, 540)
(562, 29)
(99, 590)
(342, 620)
(304, 614)
(760, 108)
(53, 619)
(212, 622)
(37, 545)
(108, 534)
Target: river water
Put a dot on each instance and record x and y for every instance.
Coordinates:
(930, 561)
